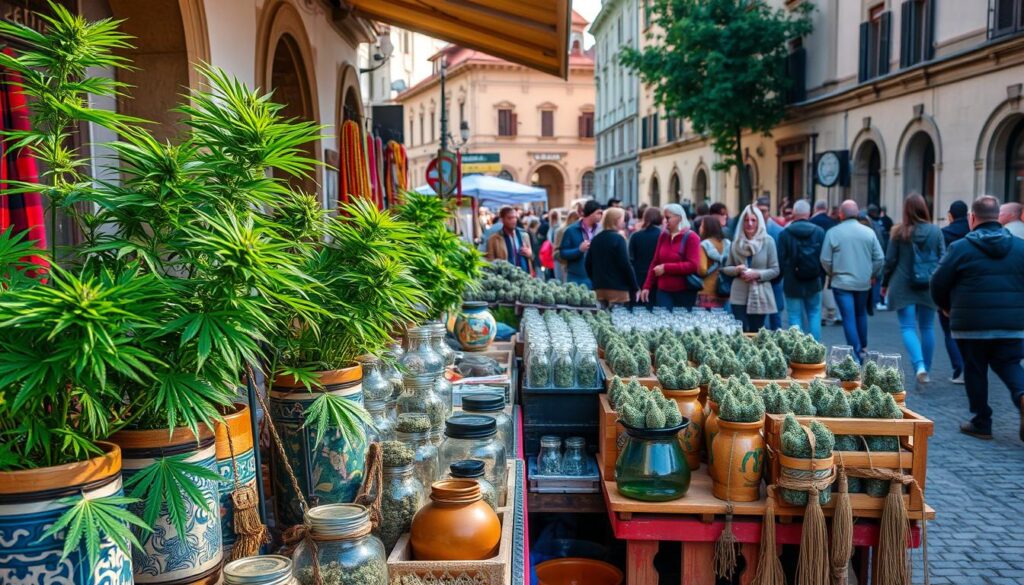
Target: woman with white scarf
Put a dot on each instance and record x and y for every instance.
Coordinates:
(754, 262)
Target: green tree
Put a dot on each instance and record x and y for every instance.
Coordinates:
(722, 65)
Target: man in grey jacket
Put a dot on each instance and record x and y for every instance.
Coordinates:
(852, 257)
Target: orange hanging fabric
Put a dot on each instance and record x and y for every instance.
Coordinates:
(354, 165)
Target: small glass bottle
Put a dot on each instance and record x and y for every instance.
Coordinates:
(346, 550)
(401, 496)
(492, 405)
(474, 469)
(260, 570)
(549, 460)
(420, 397)
(420, 359)
(472, 436)
(438, 333)
(375, 385)
(425, 461)
(575, 460)
(383, 424)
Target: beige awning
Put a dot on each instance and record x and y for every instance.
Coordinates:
(534, 33)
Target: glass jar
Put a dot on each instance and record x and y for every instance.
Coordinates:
(652, 466)
(383, 422)
(420, 359)
(425, 463)
(438, 333)
(347, 552)
(549, 460)
(393, 354)
(401, 496)
(260, 570)
(538, 368)
(492, 405)
(420, 397)
(444, 390)
(575, 460)
(375, 385)
(587, 368)
(474, 469)
(563, 369)
(472, 436)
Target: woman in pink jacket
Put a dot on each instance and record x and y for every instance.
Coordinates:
(675, 259)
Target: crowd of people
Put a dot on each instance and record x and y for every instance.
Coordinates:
(818, 265)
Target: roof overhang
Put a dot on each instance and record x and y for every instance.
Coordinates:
(534, 33)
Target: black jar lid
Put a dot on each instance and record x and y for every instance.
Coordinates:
(485, 402)
(467, 468)
(470, 426)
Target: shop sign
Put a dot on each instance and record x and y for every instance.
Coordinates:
(481, 162)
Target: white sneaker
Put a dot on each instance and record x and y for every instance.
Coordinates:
(957, 380)
(922, 378)
(881, 307)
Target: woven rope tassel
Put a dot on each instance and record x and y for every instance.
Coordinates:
(892, 539)
(812, 566)
(842, 532)
(249, 528)
(769, 568)
(725, 550)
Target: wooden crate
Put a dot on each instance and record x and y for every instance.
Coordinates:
(609, 430)
(494, 571)
(646, 381)
(913, 431)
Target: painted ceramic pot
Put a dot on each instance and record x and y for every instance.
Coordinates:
(475, 326)
(710, 430)
(327, 473)
(29, 505)
(738, 456)
(456, 525)
(238, 425)
(166, 556)
(692, 437)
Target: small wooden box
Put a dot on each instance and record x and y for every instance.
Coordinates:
(493, 571)
(608, 433)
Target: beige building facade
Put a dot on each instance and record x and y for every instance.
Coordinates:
(541, 127)
(915, 95)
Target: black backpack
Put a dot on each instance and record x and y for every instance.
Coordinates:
(926, 261)
(806, 259)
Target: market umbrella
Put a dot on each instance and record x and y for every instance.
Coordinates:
(495, 192)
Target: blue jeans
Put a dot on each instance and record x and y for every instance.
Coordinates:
(751, 323)
(686, 298)
(955, 359)
(920, 345)
(853, 306)
(805, 313)
(775, 319)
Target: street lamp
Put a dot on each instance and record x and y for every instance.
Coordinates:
(464, 131)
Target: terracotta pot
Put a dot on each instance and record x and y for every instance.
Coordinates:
(900, 398)
(802, 469)
(166, 556)
(238, 425)
(692, 437)
(475, 326)
(738, 456)
(703, 395)
(710, 430)
(329, 473)
(456, 525)
(850, 386)
(807, 371)
(30, 504)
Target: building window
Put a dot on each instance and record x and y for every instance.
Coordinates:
(917, 32)
(796, 71)
(507, 122)
(506, 175)
(587, 184)
(462, 113)
(875, 36)
(433, 128)
(411, 128)
(547, 123)
(586, 125)
(1007, 17)
(423, 134)
(655, 127)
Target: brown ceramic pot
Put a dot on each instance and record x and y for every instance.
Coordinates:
(738, 456)
(456, 525)
(807, 371)
(850, 386)
(900, 398)
(692, 437)
(710, 430)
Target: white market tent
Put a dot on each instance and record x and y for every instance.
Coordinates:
(493, 192)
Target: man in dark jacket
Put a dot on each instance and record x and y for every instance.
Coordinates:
(821, 218)
(643, 243)
(957, 229)
(980, 284)
(576, 242)
(802, 276)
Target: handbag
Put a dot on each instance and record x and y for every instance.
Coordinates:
(693, 280)
(723, 286)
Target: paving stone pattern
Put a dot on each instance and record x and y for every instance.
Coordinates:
(976, 487)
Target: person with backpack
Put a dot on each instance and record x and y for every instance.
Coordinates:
(915, 248)
(803, 278)
(673, 271)
(714, 253)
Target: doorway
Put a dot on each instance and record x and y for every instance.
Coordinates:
(550, 178)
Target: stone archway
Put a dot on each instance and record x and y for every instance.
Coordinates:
(866, 181)
(919, 168)
(551, 178)
(1004, 158)
(654, 191)
(700, 185)
(675, 188)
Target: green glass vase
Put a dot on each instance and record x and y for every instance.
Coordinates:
(652, 466)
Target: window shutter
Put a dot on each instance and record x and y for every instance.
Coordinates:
(581, 127)
(885, 40)
(906, 33)
(865, 35)
(796, 72)
(643, 132)
(929, 31)
(654, 130)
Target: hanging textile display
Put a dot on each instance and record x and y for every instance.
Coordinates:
(354, 174)
(371, 157)
(396, 164)
(378, 162)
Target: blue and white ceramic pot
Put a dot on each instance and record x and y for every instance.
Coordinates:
(30, 504)
(475, 326)
(327, 473)
(237, 427)
(166, 557)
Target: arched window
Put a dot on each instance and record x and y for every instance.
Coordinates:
(587, 184)
(655, 192)
(504, 174)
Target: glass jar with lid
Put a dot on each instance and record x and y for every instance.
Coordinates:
(472, 436)
(375, 385)
(260, 570)
(401, 496)
(575, 460)
(549, 459)
(563, 368)
(393, 354)
(492, 405)
(474, 469)
(383, 421)
(444, 390)
(538, 367)
(348, 553)
(420, 359)
(413, 429)
(438, 333)
(420, 397)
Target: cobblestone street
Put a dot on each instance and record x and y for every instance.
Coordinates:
(976, 487)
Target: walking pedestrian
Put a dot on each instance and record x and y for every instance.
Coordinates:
(576, 242)
(556, 253)
(821, 217)
(676, 259)
(956, 230)
(829, 310)
(754, 262)
(1010, 218)
(913, 255)
(511, 243)
(774, 229)
(980, 284)
(607, 261)
(720, 211)
(714, 254)
(644, 242)
(532, 225)
(852, 256)
(800, 260)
